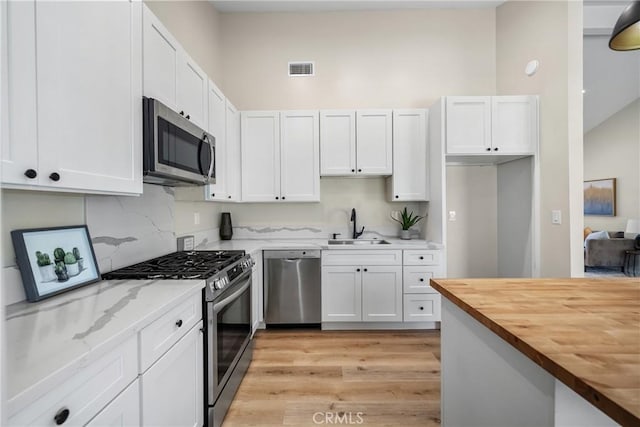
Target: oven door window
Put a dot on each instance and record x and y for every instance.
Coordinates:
(180, 149)
(233, 329)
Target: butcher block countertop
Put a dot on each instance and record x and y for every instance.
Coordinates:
(584, 332)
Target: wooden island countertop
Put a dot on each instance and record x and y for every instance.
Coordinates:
(584, 332)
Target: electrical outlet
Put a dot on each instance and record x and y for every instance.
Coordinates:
(556, 217)
(196, 218)
(452, 216)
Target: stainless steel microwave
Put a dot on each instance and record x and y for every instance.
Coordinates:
(176, 152)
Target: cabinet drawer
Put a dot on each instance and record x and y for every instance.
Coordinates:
(422, 308)
(426, 257)
(86, 392)
(415, 279)
(361, 257)
(123, 411)
(159, 336)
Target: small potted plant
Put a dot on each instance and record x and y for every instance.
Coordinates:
(45, 266)
(71, 263)
(406, 220)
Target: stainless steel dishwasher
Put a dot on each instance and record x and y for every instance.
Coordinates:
(292, 287)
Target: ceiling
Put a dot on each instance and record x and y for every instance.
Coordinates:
(344, 5)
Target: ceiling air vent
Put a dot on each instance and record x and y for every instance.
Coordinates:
(298, 69)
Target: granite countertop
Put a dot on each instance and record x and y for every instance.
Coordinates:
(584, 332)
(48, 340)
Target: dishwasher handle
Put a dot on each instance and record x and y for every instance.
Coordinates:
(291, 255)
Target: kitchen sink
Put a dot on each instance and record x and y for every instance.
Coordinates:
(357, 242)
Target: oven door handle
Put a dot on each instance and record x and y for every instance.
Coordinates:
(228, 300)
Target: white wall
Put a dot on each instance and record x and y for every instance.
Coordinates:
(552, 33)
(472, 247)
(612, 150)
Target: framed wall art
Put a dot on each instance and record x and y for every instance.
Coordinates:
(600, 197)
(54, 260)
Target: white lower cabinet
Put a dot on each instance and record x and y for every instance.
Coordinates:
(421, 301)
(364, 291)
(172, 388)
(124, 410)
(422, 307)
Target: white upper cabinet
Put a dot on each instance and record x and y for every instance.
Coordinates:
(217, 127)
(491, 125)
(514, 124)
(280, 156)
(356, 142)
(338, 142)
(300, 156)
(233, 163)
(260, 136)
(170, 75)
(374, 142)
(468, 124)
(75, 76)
(410, 159)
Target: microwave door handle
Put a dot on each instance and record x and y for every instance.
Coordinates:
(212, 165)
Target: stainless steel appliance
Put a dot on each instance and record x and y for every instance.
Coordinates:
(176, 152)
(227, 316)
(292, 287)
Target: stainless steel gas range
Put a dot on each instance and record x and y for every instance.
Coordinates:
(226, 301)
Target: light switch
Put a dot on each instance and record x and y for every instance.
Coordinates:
(556, 217)
(452, 216)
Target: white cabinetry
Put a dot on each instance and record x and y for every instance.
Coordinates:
(73, 99)
(491, 125)
(172, 389)
(361, 286)
(280, 156)
(410, 179)
(218, 128)
(421, 301)
(124, 410)
(170, 75)
(356, 142)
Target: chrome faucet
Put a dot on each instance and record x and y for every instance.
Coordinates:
(356, 233)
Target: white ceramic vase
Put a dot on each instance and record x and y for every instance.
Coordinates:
(405, 234)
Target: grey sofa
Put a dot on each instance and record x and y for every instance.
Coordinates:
(607, 252)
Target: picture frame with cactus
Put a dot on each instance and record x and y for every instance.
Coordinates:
(54, 260)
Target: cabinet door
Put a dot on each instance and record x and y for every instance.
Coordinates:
(300, 156)
(341, 294)
(260, 156)
(172, 389)
(410, 176)
(19, 102)
(160, 57)
(514, 124)
(192, 87)
(233, 153)
(123, 411)
(374, 142)
(468, 124)
(89, 91)
(337, 142)
(217, 128)
(382, 294)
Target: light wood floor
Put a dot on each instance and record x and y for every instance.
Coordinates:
(310, 378)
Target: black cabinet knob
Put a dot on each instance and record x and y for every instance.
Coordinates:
(421, 279)
(421, 257)
(61, 416)
(229, 197)
(357, 269)
(421, 308)
(213, 194)
(365, 269)
(282, 197)
(359, 170)
(277, 198)
(30, 173)
(488, 149)
(55, 176)
(182, 113)
(495, 149)
(188, 117)
(397, 196)
(353, 170)
(179, 323)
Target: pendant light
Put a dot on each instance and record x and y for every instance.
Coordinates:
(626, 33)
